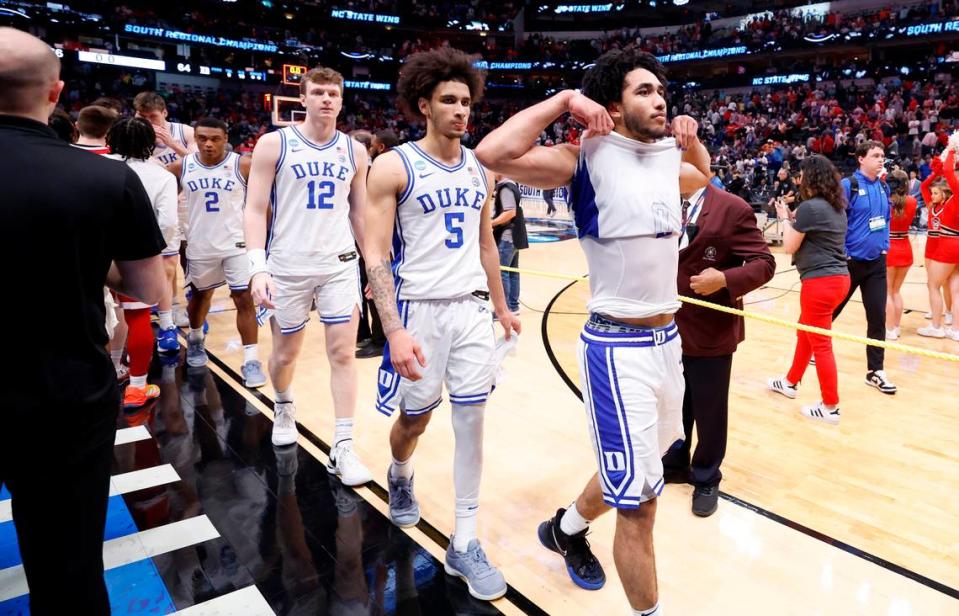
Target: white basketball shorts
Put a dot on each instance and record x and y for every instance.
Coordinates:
(632, 382)
(456, 337)
(335, 296)
(233, 270)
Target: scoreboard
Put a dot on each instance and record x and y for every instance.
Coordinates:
(293, 74)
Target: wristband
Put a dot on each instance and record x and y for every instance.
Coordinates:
(257, 258)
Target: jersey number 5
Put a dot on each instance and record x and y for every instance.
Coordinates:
(212, 198)
(321, 195)
(452, 219)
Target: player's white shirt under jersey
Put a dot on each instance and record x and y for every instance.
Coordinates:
(436, 252)
(160, 186)
(310, 226)
(627, 209)
(215, 196)
(165, 155)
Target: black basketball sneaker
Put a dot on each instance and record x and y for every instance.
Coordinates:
(581, 564)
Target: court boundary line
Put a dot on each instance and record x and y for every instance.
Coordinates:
(513, 596)
(775, 517)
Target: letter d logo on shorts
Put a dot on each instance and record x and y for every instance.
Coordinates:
(615, 461)
(659, 337)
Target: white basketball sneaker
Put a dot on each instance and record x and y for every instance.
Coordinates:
(284, 424)
(347, 465)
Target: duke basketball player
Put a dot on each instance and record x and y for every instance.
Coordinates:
(174, 141)
(214, 184)
(313, 180)
(431, 198)
(626, 180)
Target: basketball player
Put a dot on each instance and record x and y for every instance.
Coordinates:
(625, 196)
(313, 179)
(214, 184)
(174, 141)
(436, 317)
(132, 140)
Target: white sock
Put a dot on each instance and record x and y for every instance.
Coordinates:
(342, 430)
(196, 335)
(138, 381)
(285, 396)
(402, 470)
(467, 471)
(466, 517)
(166, 319)
(117, 357)
(831, 407)
(653, 611)
(250, 353)
(787, 383)
(572, 522)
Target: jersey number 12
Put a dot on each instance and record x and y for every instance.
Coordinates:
(321, 195)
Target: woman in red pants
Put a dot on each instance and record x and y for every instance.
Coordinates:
(815, 235)
(899, 257)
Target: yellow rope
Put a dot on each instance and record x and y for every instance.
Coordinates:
(894, 346)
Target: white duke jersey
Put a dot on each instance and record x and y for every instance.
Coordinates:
(627, 209)
(310, 228)
(215, 197)
(436, 251)
(163, 154)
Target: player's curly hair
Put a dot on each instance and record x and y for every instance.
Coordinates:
(605, 80)
(820, 180)
(425, 70)
(132, 138)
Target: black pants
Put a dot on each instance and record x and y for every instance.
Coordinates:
(56, 463)
(370, 327)
(870, 277)
(705, 404)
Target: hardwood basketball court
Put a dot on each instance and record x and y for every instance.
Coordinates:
(854, 519)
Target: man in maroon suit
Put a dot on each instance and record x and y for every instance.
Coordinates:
(722, 256)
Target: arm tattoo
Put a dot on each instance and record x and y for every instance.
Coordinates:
(384, 296)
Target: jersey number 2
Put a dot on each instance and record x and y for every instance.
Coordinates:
(321, 199)
(452, 219)
(212, 198)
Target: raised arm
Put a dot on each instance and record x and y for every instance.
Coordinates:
(387, 179)
(694, 170)
(358, 194)
(949, 171)
(925, 188)
(262, 173)
(511, 150)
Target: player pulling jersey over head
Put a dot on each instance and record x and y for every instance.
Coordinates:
(311, 180)
(626, 179)
(431, 198)
(213, 184)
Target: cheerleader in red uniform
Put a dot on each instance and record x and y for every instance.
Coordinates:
(942, 257)
(899, 257)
